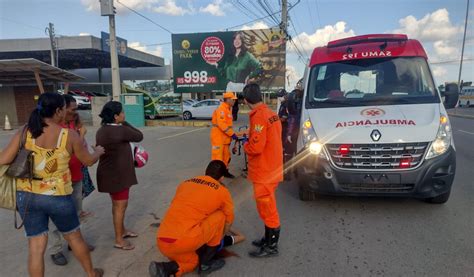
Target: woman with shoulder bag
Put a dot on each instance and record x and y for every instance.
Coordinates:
(116, 170)
(48, 194)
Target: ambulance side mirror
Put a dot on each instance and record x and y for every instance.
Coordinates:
(451, 96)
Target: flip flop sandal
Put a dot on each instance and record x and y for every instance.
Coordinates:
(130, 235)
(125, 247)
(99, 272)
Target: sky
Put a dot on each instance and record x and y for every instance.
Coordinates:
(438, 24)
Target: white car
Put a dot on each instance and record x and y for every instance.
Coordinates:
(202, 109)
(82, 102)
(189, 102)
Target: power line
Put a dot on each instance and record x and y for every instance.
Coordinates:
(246, 8)
(238, 6)
(258, 19)
(143, 16)
(157, 44)
(268, 10)
(21, 23)
(452, 61)
(317, 12)
(310, 13)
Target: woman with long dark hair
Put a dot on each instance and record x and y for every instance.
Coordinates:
(48, 195)
(116, 170)
(240, 67)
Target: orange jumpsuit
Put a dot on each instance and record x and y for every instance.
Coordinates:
(265, 161)
(197, 216)
(221, 133)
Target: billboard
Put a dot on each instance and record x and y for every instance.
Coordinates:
(120, 43)
(227, 61)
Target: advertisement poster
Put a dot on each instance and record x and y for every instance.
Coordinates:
(227, 61)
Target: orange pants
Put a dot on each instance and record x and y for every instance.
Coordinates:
(183, 250)
(266, 203)
(221, 152)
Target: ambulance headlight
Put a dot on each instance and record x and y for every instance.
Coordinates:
(443, 139)
(315, 147)
(308, 132)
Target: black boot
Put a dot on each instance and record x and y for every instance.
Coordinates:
(207, 263)
(163, 269)
(270, 247)
(261, 242)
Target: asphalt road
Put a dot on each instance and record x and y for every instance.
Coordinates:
(332, 236)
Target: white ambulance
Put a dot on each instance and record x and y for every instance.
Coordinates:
(373, 122)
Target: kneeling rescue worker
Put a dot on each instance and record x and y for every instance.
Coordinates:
(190, 234)
(265, 167)
(222, 132)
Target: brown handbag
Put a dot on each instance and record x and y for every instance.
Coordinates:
(22, 165)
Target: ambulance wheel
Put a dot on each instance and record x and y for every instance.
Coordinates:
(187, 115)
(304, 193)
(440, 199)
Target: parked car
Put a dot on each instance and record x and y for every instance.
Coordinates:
(165, 105)
(83, 103)
(189, 102)
(202, 109)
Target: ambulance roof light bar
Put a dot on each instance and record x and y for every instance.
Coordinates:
(367, 39)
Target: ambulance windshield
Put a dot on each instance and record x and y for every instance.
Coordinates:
(387, 81)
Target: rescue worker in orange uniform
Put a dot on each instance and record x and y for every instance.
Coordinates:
(222, 133)
(265, 167)
(190, 234)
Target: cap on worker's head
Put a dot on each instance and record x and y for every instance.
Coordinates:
(230, 95)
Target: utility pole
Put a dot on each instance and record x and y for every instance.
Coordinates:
(463, 42)
(284, 17)
(52, 39)
(116, 89)
(107, 9)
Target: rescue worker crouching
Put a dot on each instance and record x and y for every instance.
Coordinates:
(222, 133)
(190, 234)
(265, 167)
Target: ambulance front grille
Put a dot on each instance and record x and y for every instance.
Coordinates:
(377, 156)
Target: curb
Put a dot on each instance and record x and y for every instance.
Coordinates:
(177, 123)
(462, 115)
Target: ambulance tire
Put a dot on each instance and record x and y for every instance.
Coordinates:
(187, 115)
(440, 199)
(304, 193)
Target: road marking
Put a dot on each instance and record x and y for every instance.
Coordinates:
(462, 131)
(180, 134)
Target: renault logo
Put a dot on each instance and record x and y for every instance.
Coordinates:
(375, 135)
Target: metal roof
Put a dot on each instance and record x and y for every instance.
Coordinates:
(22, 71)
(74, 52)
